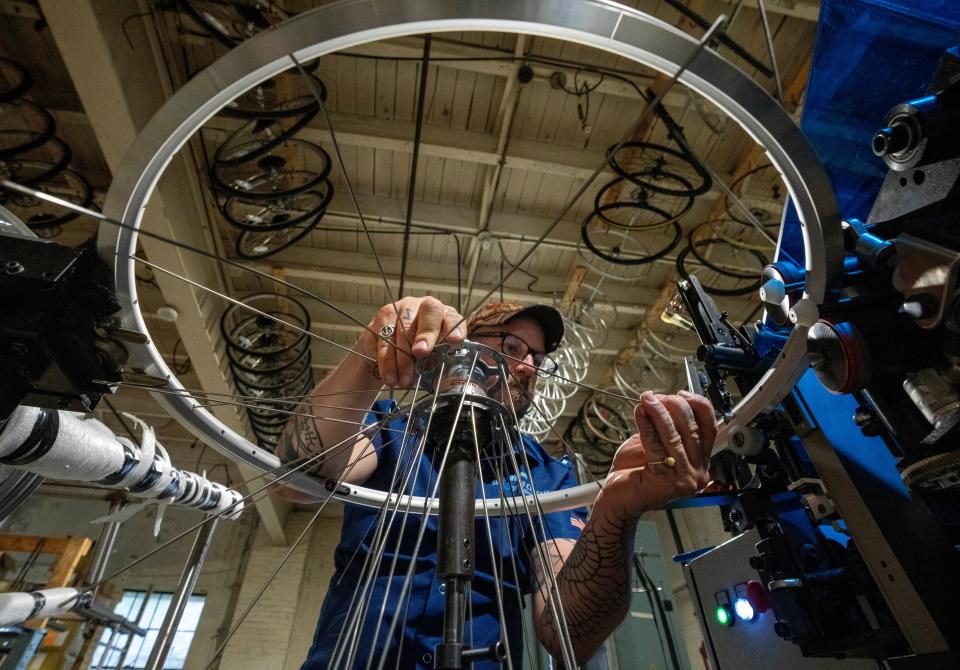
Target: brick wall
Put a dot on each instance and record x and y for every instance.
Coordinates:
(277, 633)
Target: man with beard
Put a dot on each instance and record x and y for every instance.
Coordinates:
(589, 558)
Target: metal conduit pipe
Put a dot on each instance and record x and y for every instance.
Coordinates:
(511, 95)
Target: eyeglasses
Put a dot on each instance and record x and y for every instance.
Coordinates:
(514, 347)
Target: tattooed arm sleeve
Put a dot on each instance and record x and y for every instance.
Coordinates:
(328, 427)
(586, 593)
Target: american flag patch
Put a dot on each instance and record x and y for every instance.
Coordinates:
(577, 523)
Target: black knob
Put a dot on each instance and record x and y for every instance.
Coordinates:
(758, 562)
(782, 628)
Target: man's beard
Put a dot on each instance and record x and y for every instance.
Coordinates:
(521, 394)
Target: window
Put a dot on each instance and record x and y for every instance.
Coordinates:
(155, 609)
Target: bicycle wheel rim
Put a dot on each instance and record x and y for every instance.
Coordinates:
(713, 290)
(605, 25)
(38, 158)
(722, 271)
(261, 148)
(319, 208)
(40, 137)
(616, 260)
(631, 176)
(21, 83)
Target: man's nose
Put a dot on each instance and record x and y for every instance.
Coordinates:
(525, 367)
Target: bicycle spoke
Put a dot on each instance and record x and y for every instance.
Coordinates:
(299, 470)
(433, 494)
(647, 111)
(26, 190)
(283, 561)
(353, 196)
(377, 547)
(365, 569)
(553, 600)
(504, 635)
(761, 6)
(256, 311)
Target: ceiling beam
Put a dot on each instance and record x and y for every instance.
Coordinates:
(120, 89)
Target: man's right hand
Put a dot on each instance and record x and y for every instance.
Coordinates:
(422, 324)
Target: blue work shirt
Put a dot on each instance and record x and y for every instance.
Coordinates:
(421, 616)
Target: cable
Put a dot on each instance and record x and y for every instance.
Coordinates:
(417, 135)
(123, 422)
(180, 368)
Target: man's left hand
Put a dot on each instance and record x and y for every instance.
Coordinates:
(679, 427)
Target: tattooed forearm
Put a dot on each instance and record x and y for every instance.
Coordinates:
(301, 438)
(594, 587)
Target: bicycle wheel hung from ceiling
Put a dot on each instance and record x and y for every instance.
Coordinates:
(605, 26)
(31, 154)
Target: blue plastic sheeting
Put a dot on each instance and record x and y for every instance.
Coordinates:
(870, 55)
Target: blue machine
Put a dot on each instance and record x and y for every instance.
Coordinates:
(847, 520)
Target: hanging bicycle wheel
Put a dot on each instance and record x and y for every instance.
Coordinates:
(291, 167)
(42, 215)
(263, 244)
(15, 80)
(636, 208)
(340, 26)
(741, 288)
(636, 215)
(656, 168)
(34, 165)
(615, 254)
(258, 136)
(23, 126)
(261, 215)
(287, 94)
(765, 208)
(233, 21)
(266, 325)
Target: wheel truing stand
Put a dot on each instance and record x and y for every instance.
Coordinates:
(467, 379)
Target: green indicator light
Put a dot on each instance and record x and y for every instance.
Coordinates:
(723, 616)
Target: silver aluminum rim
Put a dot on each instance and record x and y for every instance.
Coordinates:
(598, 23)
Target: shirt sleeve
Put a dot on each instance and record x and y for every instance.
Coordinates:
(566, 524)
(378, 429)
